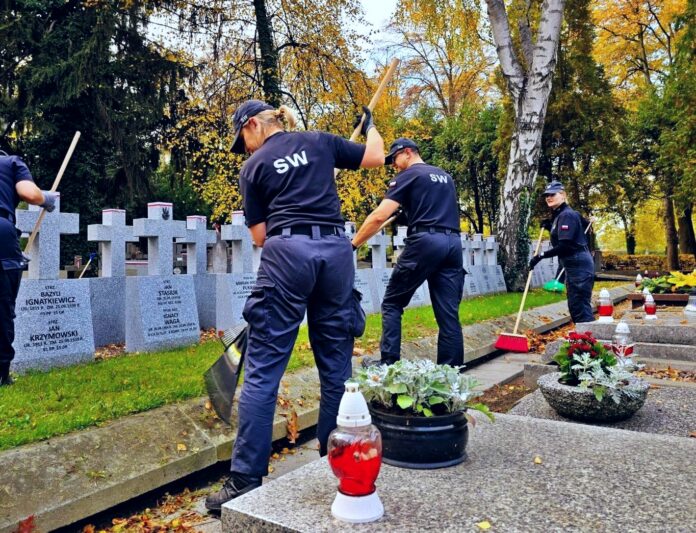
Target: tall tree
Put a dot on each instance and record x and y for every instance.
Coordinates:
(444, 64)
(528, 76)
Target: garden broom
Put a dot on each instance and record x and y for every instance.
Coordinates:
(512, 342)
(555, 285)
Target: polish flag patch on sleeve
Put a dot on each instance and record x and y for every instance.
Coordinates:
(564, 226)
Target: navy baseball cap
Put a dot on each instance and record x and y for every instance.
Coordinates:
(396, 146)
(241, 116)
(553, 188)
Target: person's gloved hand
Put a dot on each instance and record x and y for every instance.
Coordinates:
(367, 123)
(49, 203)
(534, 260)
(546, 224)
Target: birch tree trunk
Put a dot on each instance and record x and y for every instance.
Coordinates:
(529, 89)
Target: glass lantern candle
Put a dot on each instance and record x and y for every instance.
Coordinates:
(650, 307)
(355, 456)
(639, 280)
(605, 307)
(690, 309)
(622, 343)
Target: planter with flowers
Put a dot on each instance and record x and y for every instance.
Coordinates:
(592, 385)
(421, 410)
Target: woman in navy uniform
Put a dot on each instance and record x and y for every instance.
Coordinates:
(16, 184)
(569, 243)
(433, 251)
(293, 211)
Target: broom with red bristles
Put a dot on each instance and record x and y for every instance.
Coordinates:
(513, 342)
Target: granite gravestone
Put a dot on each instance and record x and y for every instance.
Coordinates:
(53, 326)
(161, 313)
(197, 239)
(161, 310)
(366, 284)
(232, 291)
(108, 292)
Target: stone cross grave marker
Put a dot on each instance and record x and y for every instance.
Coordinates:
(161, 229)
(45, 251)
(108, 292)
(237, 234)
(400, 241)
(112, 235)
(378, 244)
(351, 230)
(53, 326)
(197, 239)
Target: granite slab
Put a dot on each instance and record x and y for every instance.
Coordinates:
(668, 329)
(365, 282)
(161, 312)
(108, 299)
(667, 411)
(53, 325)
(571, 487)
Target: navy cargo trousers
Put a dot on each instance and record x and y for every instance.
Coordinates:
(437, 258)
(9, 287)
(579, 283)
(298, 273)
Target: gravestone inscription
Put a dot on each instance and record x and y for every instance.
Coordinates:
(161, 312)
(53, 325)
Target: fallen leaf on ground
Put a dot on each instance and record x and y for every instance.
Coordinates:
(484, 525)
(181, 447)
(292, 431)
(537, 460)
(208, 405)
(358, 351)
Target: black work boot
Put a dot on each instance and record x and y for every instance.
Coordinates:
(5, 378)
(367, 362)
(235, 485)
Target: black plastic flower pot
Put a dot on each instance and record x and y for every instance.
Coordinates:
(422, 442)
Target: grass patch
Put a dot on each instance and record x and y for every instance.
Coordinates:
(45, 404)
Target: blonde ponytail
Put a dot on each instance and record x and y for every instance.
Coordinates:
(286, 116)
(282, 117)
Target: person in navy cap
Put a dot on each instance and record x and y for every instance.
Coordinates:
(293, 211)
(16, 183)
(569, 243)
(433, 251)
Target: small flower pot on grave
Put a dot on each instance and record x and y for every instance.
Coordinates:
(580, 404)
(422, 442)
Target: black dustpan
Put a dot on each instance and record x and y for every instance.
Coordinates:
(221, 379)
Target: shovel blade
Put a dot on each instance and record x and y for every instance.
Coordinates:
(222, 377)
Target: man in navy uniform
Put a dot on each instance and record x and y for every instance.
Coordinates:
(569, 243)
(433, 251)
(293, 210)
(16, 184)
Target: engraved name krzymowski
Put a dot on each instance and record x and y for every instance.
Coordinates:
(51, 304)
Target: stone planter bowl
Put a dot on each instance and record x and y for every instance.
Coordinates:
(581, 404)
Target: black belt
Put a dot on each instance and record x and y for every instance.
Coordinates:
(4, 213)
(307, 230)
(430, 229)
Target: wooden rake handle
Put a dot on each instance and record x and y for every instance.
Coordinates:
(54, 188)
(526, 288)
(375, 98)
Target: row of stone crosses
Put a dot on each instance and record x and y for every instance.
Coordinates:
(60, 321)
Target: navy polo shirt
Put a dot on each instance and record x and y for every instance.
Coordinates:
(12, 171)
(568, 227)
(427, 195)
(289, 181)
